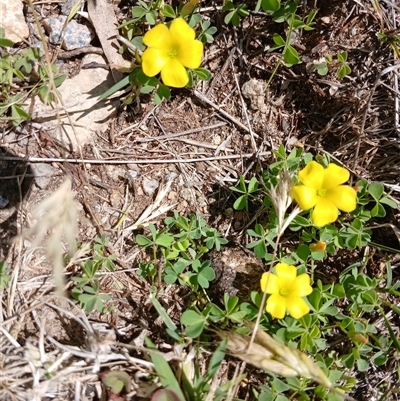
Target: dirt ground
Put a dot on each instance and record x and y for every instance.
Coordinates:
(223, 133)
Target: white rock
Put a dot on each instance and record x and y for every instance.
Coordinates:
(12, 20)
(149, 186)
(80, 99)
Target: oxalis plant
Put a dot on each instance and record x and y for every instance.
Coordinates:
(313, 334)
(168, 55)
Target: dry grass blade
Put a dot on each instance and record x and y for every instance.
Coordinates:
(56, 215)
(156, 209)
(273, 356)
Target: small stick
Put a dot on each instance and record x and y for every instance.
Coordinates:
(204, 99)
(139, 161)
(188, 132)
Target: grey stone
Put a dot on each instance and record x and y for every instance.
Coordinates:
(3, 202)
(149, 186)
(44, 174)
(66, 7)
(13, 21)
(80, 97)
(74, 36)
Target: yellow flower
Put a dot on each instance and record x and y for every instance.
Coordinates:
(287, 290)
(322, 190)
(170, 51)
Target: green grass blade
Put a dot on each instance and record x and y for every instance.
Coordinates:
(164, 371)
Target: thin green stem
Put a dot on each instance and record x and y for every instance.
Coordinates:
(287, 43)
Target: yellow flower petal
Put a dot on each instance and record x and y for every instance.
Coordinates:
(301, 286)
(153, 61)
(312, 175)
(272, 283)
(190, 55)
(325, 212)
(181, 30)
(334, 175)
(343, 196)
(174, 74)
(286, 272)
(276, 306)
(158, 37)
(305, 197)
(297, 307)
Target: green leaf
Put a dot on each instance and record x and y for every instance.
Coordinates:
(151, 17)
(216, 360)
(232, 18)
(169, 279)
(59, 80)
(362, 365)
(270, 6)
(207, 272)
(137, 41)
(168, 11)
(253, 185)
(18, 113)
(164, 371)
(322, 69)
(195, 330)
(378, 211)
(191, 317)
(142, 240)
(342, 57)
(202, 281)
(376, 190)
(291, 56)
(240, 203)
(165, 240)
(138, 12)
(278, 40)
(146, 89)
(303, 252)
(389, 202)
(165, 317)
(279, 386)
(343, 71)
(260, 249)
(115, 88)
(6, 42)
(163, 92)
(203, 74)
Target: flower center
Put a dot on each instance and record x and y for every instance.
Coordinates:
(284, 291)
(321, 192)
(172, 53)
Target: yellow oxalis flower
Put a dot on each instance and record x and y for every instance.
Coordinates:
(322, 190)
(287, 290)
(170, 50)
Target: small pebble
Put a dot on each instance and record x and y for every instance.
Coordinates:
(202, 201)
(44, 174)
(217, 140)
(149, 186)
(133, 174)
(3, 202)
(170, 176)
(186, 194)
